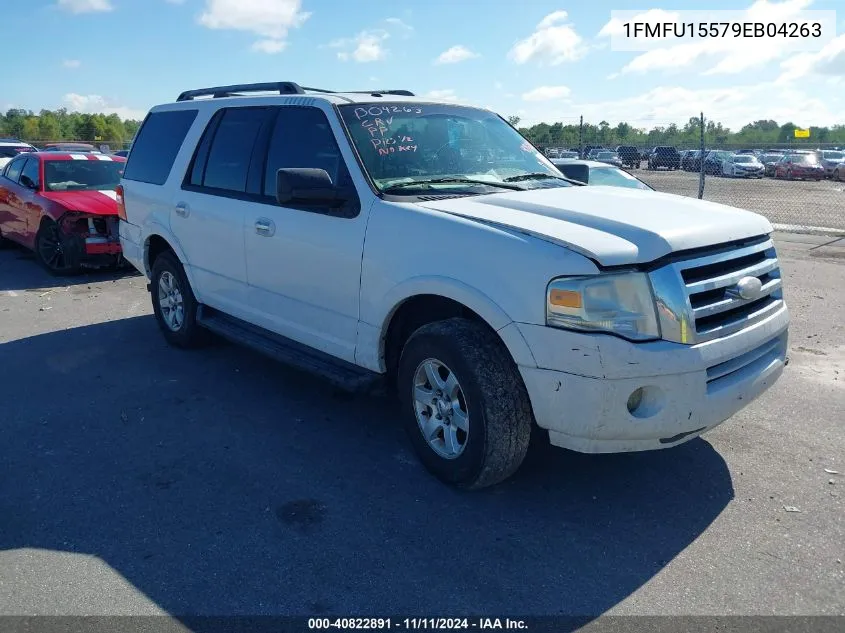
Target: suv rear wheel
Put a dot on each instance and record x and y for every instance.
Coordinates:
(174, 304)
(465, 407)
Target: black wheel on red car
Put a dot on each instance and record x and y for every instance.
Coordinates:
(53, 250)
(174, 304)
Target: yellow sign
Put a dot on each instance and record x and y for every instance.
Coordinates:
(802, 133)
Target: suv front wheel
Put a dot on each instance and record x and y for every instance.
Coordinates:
(174, 304)
(465, 406)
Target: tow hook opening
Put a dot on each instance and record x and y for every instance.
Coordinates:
(645, 402)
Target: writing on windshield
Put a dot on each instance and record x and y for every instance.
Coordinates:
(424, 142)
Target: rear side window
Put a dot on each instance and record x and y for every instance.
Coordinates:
(155, 148)
(231, 150)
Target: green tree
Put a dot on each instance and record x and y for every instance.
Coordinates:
(514, 120)
(29, 129)
(48, 127)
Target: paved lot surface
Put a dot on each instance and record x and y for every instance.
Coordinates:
(796, 202)
(136, 478)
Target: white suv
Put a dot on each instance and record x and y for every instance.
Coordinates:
(374, 235)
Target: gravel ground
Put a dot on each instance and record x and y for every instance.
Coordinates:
(800, 203)
(140, 479)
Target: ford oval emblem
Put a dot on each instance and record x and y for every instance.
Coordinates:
(748, 288)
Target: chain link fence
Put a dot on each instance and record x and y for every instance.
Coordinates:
(796, 182)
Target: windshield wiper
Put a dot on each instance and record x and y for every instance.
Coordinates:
(540, 176)
(471, 181)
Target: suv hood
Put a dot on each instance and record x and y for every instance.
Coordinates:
(102, 202)
(612, 225)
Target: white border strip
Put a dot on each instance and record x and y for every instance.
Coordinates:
(812, 230)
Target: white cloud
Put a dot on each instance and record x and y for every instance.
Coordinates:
(85, 6)
(552, 19)
(445, 94)
(455, 54)
(71, 63)
(400, 25)
(553, 41)
(367, 46)
(830, 61)
(95, 104)
(269, 46)
(269, 19)
(721, 55)
(547, 93)
(733, 107)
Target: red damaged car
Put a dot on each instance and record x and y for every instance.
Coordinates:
(63, 207)
(802, 166)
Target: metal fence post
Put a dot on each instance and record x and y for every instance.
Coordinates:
(581, 138)
(701, 159)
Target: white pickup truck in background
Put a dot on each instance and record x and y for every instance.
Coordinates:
(365, 236)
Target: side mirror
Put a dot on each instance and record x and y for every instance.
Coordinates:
(307, 186)
(27, 182)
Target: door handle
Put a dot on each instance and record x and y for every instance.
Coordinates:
(182, 210)
(265, 227)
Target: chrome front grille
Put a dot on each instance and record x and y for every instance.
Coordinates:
(711, 302)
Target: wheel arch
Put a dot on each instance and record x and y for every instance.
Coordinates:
(157, 243)
(422, 301)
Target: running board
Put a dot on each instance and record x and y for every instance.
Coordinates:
(339, 372)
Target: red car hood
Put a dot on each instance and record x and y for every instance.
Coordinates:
(103, 202)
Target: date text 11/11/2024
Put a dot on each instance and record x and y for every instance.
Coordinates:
(414, 624)
(377, 121)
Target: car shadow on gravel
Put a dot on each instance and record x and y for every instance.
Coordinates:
(20, 272)
(217, 482)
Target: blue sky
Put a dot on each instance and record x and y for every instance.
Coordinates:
(539, 59)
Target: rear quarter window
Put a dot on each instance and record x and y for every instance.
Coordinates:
(155, 148)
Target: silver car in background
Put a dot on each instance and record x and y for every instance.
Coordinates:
(743, 166)
(831, 159)
(608, 157)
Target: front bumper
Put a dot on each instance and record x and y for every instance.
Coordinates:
(102, 246)
(749, 173)
(581, 386)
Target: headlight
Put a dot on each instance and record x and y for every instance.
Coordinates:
(622, 304)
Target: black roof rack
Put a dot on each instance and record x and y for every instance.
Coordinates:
(280, 87)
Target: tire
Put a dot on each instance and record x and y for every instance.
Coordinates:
(54, 251)
(4, 243)
(170, 283)
(488, 395)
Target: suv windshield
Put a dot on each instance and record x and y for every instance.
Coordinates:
(606, 155)
(78, 175)
(401, 144)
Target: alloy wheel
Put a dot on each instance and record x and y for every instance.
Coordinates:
(440, 408)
